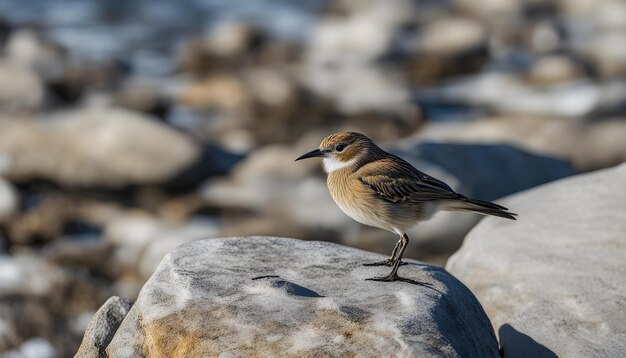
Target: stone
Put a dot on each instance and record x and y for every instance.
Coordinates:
(223, 92)
(587, 145)
(102, 327)
(507, 93)
(140, 241)
(94, 146)
(27, 275)
(33, 348)
(290, 195)
(556, 276)
(8, 200)
(20, 87)
(554, 69)
(30, 49)
(270, 296)
(340, 61)
(450, 36)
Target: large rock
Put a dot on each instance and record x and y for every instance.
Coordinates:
(94, 147)
(587, 145)
(261, 296)
(556, 277)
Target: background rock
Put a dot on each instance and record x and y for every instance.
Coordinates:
(300, 311)
(94, 147)
(587, 145)
(557, 274)
(8, 200)
(102, 327)
(20, 88)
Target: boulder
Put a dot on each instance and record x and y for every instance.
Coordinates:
(102, 327)
(264, 296)
(587, 145)
(94, 147)
(555, 277)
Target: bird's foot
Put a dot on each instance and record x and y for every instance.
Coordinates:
(387, 263)
(395, 277)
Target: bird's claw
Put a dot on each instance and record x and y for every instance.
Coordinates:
(387, 263)
(391, 278)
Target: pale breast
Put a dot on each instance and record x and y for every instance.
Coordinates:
(354, 200)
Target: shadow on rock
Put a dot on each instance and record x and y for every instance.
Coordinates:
(290, 287)
(515, 344)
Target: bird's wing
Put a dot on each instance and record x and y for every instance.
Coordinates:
(395, 180)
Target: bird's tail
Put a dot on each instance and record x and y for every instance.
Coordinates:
(479, 206)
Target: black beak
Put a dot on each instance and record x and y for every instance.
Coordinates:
(311, 154)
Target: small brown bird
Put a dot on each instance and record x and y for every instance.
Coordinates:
(382, 190)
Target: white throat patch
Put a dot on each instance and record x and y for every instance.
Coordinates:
(332, 164)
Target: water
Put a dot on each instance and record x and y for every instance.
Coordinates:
(147, 35)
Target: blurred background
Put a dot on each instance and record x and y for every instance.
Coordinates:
(130, 127)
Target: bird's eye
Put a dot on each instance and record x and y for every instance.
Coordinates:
(340, 147)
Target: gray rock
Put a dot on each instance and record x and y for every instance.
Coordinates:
(342, 53)
(8, 200)
(507, 93)
(587, 145)
(140, 241)
(33, 348)
(102, 327)
(488, 171)
(556, 276)
(20, 88)
(95, 146)
(27, 275)
(280, 297)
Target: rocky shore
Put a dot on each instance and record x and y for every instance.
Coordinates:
(128, 129)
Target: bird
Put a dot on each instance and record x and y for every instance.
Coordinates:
(382, 190)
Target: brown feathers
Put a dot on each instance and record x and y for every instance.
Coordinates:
(383, 190)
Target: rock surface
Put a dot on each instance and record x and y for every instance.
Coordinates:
(557, 275)
(102, 327)
(94, 147)
(270, 296)
(587, 145)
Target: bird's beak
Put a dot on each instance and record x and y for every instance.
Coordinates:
(311, 154)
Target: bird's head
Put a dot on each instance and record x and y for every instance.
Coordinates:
(341, 150)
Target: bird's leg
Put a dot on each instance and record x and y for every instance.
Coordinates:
(393, 275)
(390, 261)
